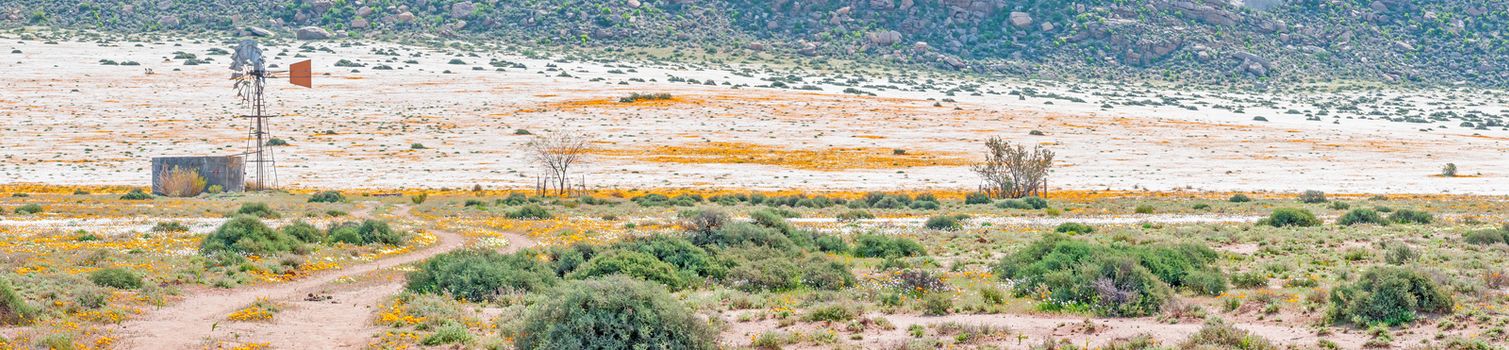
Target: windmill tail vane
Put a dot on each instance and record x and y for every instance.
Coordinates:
(249, 71)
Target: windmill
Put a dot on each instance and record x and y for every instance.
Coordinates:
(249, 71)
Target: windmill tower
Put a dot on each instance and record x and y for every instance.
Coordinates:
(249, 71)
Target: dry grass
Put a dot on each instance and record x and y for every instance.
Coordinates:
(180, 182)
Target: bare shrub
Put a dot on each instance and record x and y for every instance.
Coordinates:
(557, 153)
(1010, 171)
(180, 182)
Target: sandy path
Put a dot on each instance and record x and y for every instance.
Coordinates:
(341, 322)
(1037, 328)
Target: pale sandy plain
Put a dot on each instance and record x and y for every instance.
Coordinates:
(69, 120)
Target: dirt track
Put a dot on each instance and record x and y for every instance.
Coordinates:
(201, 318)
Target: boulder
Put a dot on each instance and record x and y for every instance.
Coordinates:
(312, 33)
(634, 4)
(462, 9)
(320, 6)
(168, 21)
(1254, 64)
(364, 11)
(808, 49)
(260, 32)
(359, 23)
(1020, 20)
(953, 62)
(1047, 27)
(404, 17)
(884, 38)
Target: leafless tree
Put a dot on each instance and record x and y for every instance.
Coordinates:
(1010, 171)
(558, 153)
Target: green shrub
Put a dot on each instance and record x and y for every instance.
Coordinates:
(1388, 295)
(1219, 335)
(614, 312)
(1399, 254)
(1073, 228)
(480, 275)
(115, 277)
(1109, 280)
(1205, 282)
(29, 209)
(1143, 209)
(257, 209)
(1014, 204)
(1035, 202)
(767, 269)
(937, 304)
(304, 232)
(943, 222)
(1312, 197)
(327, 197)
(880, 246)
(1360, 216)
(977, 198)
(743, 233)
(13, 309)
(854, 215)
(703, 220)
(630, 263)
(1410, 216)
(1487, 237)
(451, 333)
(529, 212)
(1285, 217)
(835, 312)
(925, 205)
(831, 244)
(1239, 198)
(1249, 280)
(247, 235)
(1340, 205)
(367, 232)
(678, 252)
(169, 226)
(136, 194)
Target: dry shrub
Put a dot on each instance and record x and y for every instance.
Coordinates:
(180, 182)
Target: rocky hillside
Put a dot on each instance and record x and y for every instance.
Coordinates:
(1207, 41)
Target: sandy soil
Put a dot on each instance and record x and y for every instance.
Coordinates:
(343, 321)
(70, 120)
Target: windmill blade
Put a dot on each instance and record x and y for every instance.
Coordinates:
(247, 57)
